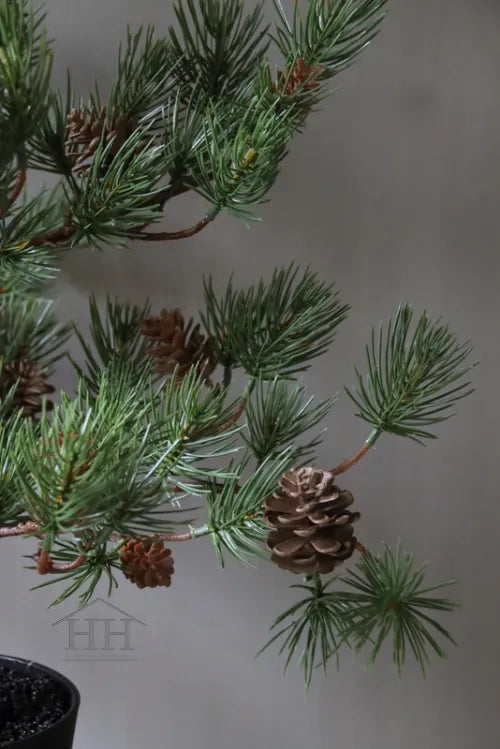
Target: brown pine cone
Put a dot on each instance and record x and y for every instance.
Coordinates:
(147, 563)
(301, 76)
(312, 528)
(86, 128)
(30, 389)
(177, 345)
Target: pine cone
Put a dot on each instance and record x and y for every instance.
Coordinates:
(147, 563)
(312, 528)
(86, 128)
(301, 76)
(175, 345)
(31, 386)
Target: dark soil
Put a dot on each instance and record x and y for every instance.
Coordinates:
(29, 703)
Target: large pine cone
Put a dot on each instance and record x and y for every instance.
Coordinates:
(147, 563)
(31, 386)
(177, 345)
(86, 128)
(312, 527)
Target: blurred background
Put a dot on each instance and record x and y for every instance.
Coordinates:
(393, 192)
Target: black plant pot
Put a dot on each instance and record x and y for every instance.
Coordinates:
(60, 734)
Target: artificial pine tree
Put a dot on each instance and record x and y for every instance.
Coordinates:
(103, 480)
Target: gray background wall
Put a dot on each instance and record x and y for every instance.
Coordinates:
(393, 192)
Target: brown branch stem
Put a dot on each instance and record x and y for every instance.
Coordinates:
(362, 549)
(22, 529)
(349, 462)
(234, 418)
(168, 537)
(165, 236)
(68, 566)
(46, 565)
(44, 562)
(15, 192)
(55, 237)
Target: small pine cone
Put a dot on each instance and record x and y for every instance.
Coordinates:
(31, 386)
(301, 76)
(86, 128)
(177, 345)
(147, 563)
(312, 528)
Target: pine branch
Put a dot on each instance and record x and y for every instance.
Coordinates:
(144, 76)
(331, 33)
(25, 68)
(235, 511)
(117, 341)
(278, 416)
(314, 628)
(276, 328)
(387, 599)
(217, 45)
(29, 330)
(414, 378)
(118, 194)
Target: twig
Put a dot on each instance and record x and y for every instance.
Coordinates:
(22, 529)
(168, 537)
(55, 237)
(234, 418)
(362, 549)
(44, 562)
(170, 235)
(46, 565)
(68, 566)
(15, 192)
(349, 462)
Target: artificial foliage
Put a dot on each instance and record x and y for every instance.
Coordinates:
(155, 445)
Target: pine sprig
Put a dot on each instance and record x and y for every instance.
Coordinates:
(235, 512)
(100, 562)
(388, 599)
(331, 33)
(217, 45)
(278, 415)
(47, 146)
(275, 328)
(29, 330)
(415, 377)
(25, 69)
(312, 629)
(143, 81)
(12, 509)
(25, 264)
(117, 341)
(119, 194)
(238, 159)
(190, 420)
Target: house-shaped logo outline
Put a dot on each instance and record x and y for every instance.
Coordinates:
(106, 603)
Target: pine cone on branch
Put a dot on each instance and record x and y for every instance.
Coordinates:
(86, 127)
(147, 563)
(31, 386)
(301, 76)
(177, 345)
(312, 528)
